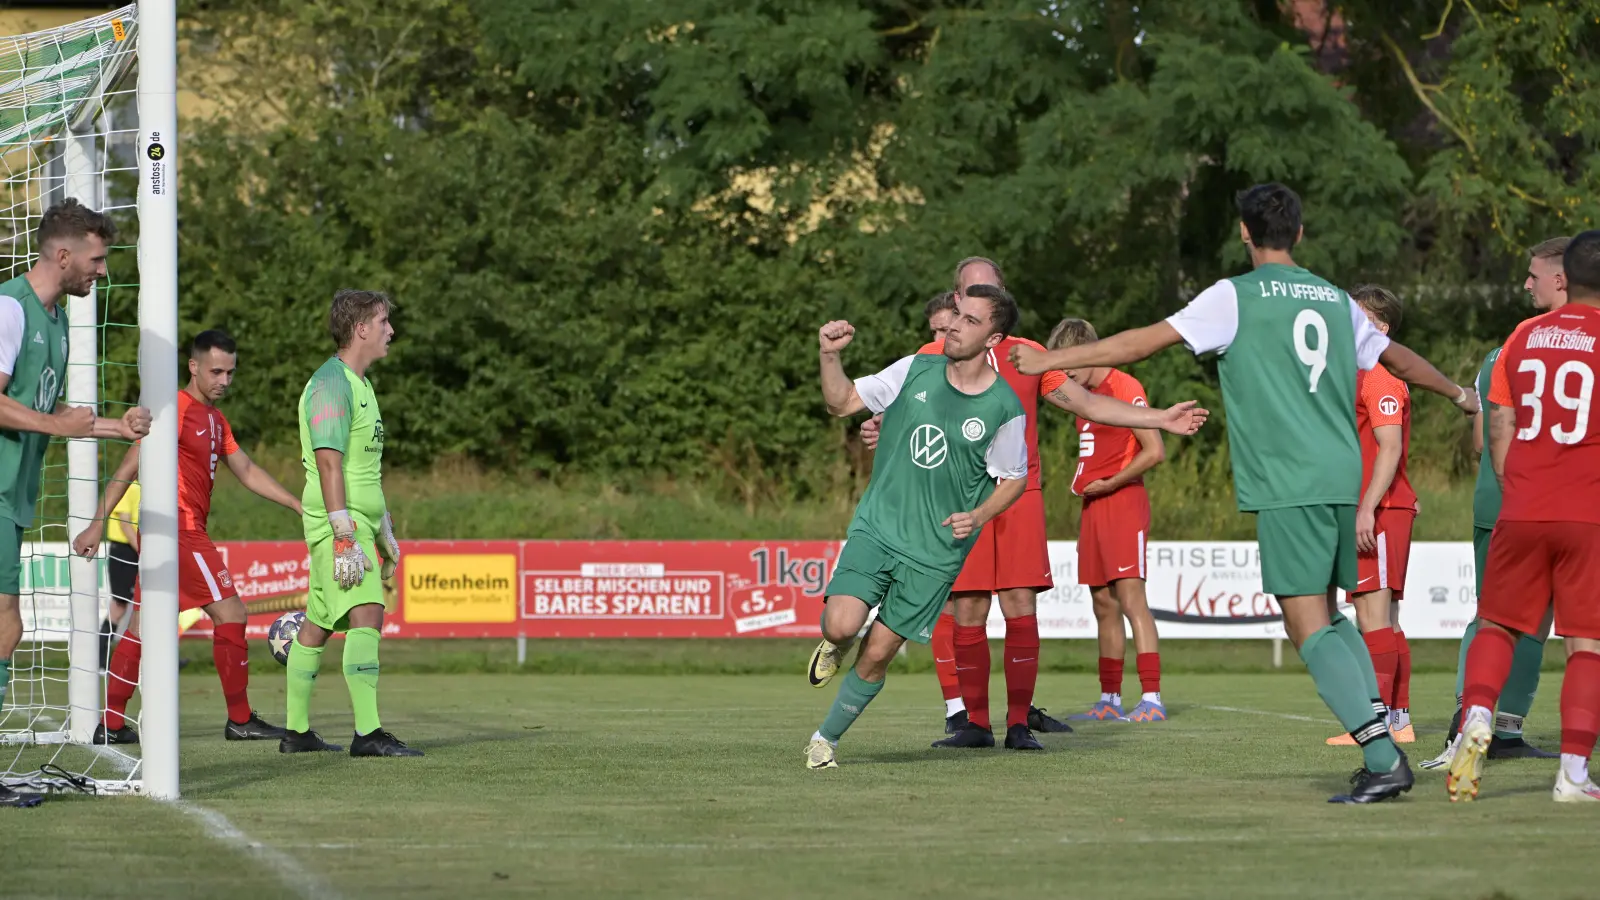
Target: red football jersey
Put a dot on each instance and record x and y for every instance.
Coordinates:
(1382, 399)
(1028, 388)
(1105, 450)
(204, 437)
(1547, 370)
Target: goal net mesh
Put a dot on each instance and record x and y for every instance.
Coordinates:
(69, 128)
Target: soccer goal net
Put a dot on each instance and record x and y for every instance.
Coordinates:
(69, 127)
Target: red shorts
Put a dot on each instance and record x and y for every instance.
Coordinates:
(1532, 565)
(1011, 551)
(203, 577)
(1112, 536)
(1386, 566)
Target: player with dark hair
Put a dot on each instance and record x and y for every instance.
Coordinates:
(347, 525)
(72, 243)
(940, 310)
(204, 437)
(1545, 551)
(1291, 345)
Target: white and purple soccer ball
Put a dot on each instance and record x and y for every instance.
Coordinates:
(282, 634)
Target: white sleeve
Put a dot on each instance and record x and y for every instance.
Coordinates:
(1370, 342)
(12, 324)
(1008, 452)
(878, 391)
(1211, 321)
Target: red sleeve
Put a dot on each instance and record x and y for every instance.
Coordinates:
(1384, 397)
(229, 445)
(1050, 381)
(1129, 390)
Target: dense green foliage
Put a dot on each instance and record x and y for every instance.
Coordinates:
(613, 226)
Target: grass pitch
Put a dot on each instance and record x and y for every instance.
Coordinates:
(692, 786)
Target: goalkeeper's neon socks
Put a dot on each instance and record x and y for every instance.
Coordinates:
(361, 677)
(5, 681)
(301, 676)
(124, 677)
(232, 657)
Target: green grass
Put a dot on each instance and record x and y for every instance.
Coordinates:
(692, 786)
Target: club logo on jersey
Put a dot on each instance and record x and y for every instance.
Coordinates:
(1139, 401)
(1554, 337)
(1389, 406)
(928, 447)
(973, 429)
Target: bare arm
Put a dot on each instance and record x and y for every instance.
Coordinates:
(1502, 424)
(1477, 431)
(1406, 365)
(88, 541)
(963, 524)
(1185, 418)
(330, 473)
(260, 481)
(1118, 350)
(838, 390)
(1152, 451)
(1384, 467)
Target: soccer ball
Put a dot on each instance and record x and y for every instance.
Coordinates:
(282, 634)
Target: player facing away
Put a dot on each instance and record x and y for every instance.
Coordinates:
(1290, 345)
(1547, 287)
(72, 241)
(1384, 519)
(1545, 551)
(204, 436)
(953, 457)
(347, 524)
(1113, 529)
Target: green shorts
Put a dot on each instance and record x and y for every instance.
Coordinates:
(908, 600)
(1480, 556)
(1307, 549)
(328, 605)
(10, 557)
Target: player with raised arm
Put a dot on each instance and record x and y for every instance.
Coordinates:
(347, 525)
(1113, 530)
(1547, 287)
(1545, 551)
(1290, 345)
(1384, 519)
(204, 437)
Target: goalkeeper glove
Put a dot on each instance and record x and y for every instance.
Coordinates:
(388, 547)
(350, 564)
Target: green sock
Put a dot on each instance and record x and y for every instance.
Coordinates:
(361, 676)
(1350, 636)
(1461, 657)
(1338, 679)
(854, 695)
(1521, 687)
(302, 676)
(5, 680)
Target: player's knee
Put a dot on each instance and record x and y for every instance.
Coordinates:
(228, 612)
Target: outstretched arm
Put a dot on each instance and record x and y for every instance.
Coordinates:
(260, 481)
(88, 541)
(1118, 350)
(1185, 418)
(1406, 365)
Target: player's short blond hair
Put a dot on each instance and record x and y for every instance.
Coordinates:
(1381, 302)
(351, 308)
(1071, 333)
(1553, 248)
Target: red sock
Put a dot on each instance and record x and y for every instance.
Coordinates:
(972, 667)
(944, 656)
(1488, 666)
(124, 672)
(1402, 673)
(1110, 675)
(232, 657)
(1385, 659)
(1149, 666)
(1022, 667)
(1580, 703)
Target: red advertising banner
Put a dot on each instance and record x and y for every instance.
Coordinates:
(564, 588)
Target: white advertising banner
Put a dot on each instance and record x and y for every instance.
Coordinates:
(46, 599)
(1212, 589)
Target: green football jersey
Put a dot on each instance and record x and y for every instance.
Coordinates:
(1291, 345)
(339, 411)
(939, 452)
(1486, 495)
(38, 373)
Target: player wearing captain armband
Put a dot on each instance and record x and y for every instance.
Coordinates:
(1290, 346)
(347, 526)
(72, 241)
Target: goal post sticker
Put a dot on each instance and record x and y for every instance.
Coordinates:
(119, 32)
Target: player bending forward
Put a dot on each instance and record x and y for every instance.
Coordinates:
(72, 241)
(1112, 534)
(347, 524)
(1384, 519)
(204, 435)
(1290, 345)
(1545, 551)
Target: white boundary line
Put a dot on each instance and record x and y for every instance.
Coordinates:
(1275, 715)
